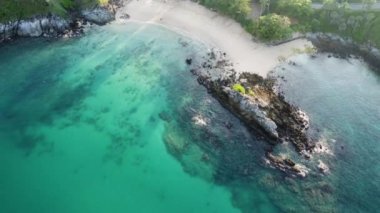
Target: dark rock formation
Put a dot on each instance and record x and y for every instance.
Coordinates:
(54, 26)
(260, 107)
(286, 165)
(345, 48)
(99, 16)
(189, 61)
(125, 16)
(35, 27)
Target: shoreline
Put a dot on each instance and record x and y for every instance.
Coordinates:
(54, 26)
(217, 31)
(251, 62)
(345, 48)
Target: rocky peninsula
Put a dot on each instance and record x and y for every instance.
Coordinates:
(254, 100)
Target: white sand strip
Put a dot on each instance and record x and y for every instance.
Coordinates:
(215, 30)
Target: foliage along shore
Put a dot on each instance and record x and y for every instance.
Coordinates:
(279, 19)
(35, 18)
(334, 28)
(276, 20)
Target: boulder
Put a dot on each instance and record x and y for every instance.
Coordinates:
(99, 16)
(30, 28)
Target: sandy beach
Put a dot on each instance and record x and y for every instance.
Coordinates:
(195, 21)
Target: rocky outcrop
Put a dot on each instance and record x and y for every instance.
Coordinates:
(257, 105)
(35, 27)
(45, 25)
(54, 26)
(251, 111)
(286, 165)
(99, 16)
(345, 48)
(323, 167)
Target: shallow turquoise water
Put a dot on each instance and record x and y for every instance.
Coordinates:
(107, 123)
(80, 130)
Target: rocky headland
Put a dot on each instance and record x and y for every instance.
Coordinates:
(254, 100)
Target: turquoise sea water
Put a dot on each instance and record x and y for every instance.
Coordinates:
(80, 130)
(110, 123)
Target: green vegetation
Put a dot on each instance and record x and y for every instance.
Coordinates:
(269, 27)
(16, 9)
(299, 9)
(278, 18)
(237, 9)
(273, 27)
(238, 88)
(362, 26)
(11, 10)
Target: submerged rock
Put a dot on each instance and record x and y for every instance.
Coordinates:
(287, 165)
(323, 167)
(189, 61)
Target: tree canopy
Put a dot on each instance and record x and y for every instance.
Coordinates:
(273, 27)
(20, 9)
(295, 8)
(238, 9)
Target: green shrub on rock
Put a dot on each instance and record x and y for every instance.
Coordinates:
(238, 88)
